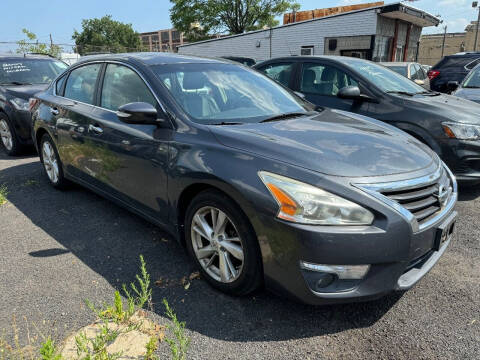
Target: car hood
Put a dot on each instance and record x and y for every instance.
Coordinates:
(332, 142)
(448, 106)
(25, 91)
(469, 94)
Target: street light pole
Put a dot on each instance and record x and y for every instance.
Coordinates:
(475, 5)
(444, 35)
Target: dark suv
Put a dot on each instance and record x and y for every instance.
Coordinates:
(21, 76)
(451, 69)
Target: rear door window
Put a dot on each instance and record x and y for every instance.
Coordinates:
(472, 64)
(280, 72)
(81, 83)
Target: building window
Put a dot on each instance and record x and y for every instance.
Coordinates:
(382, 48)
(306, 50)
(175, 36)
(165, 37)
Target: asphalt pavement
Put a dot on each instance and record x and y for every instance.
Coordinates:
(58, 248)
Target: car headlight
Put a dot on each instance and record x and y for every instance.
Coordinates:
(20, 104)
(307, 204)
(461, 131)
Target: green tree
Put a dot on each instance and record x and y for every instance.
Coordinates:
(31, 45)
(106, 35)
(197, 18)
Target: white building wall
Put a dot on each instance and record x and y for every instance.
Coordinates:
(287, 40)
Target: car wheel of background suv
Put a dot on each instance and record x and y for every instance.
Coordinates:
(51, 162)
(8, 136)
(221, 241)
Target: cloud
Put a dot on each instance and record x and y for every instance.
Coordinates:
(456, 3)
(457, 25)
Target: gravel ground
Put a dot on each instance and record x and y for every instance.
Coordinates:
(59, 248)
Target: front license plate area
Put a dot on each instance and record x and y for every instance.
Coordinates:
(445, 231)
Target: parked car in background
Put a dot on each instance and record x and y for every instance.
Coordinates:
(242, 60)
(448, 125)
(324, 206)
(426, 68)
(21, 76)
(410, 70)
(451, 69)
(470, 87)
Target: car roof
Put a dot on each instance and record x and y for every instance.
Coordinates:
(396, 63)
(152, 58)
(26, 56)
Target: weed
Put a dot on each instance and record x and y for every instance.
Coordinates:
(49, 351)
(3, 194)
(96, 348)
(151, 347)
(179, 345)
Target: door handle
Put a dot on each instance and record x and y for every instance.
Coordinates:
(95, 129)
(54, 111)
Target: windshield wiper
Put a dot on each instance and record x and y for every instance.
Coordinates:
(400, 92)
(428, 93)
(472, 87)
(16, 83)
(284, 116)
(227, 123)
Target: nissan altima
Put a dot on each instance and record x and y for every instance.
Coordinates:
(321, 205)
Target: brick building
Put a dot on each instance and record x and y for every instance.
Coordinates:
(162, 40)
(430, 51)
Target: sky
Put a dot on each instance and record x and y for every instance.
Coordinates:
(60, 17)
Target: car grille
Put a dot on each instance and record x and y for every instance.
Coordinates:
(423, 201)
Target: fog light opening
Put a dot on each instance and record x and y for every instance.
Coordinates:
(342, 272)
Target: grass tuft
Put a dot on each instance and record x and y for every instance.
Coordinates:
(179, 345)
(3, 194)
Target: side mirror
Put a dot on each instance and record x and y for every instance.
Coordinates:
(452, 85)
(419, 82)
(350, 92)
(139, 113)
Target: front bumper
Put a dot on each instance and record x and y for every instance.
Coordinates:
(398, 253)
(463, 158)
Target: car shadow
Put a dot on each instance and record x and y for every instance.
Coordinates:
(109, 240)
(468, 192)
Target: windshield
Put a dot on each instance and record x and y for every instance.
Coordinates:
(29, 71)
(402, 70)
(216, 93)
(473, 79)
(385, 79)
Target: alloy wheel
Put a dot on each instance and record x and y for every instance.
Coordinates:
(217, 244)
(50, 162)
(6, 135)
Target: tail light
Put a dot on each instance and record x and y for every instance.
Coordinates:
(31, 103)
(432, 74)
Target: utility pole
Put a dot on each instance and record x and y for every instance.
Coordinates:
(51, 41)
(444, 35)
(475, 6)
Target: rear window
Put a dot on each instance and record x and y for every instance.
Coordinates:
(456, 61)
(19, 71)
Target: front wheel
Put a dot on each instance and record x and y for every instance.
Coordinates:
(8, 137)
(51, 162)
(222, 242)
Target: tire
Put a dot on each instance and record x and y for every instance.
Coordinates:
(51, 163)
(247, 275)
(8, 136)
